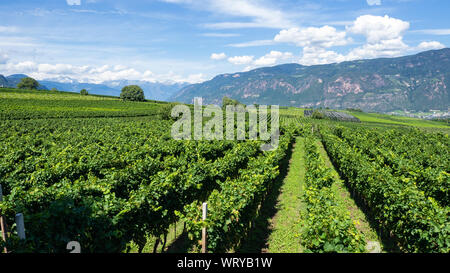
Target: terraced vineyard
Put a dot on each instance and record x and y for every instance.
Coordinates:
(408, 202)
(108, 174)
(23, 104)
(106, 182)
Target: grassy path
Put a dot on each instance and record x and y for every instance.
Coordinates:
(344, 197)
(285, 225)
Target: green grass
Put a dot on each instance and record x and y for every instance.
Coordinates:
(34, 104)
(286, 223)
(344, 198)
(292, 111)
(397, 120)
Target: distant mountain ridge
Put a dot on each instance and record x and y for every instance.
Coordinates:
(154, 91)
(418, 83)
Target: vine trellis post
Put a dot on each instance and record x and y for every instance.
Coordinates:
(205, 213)
(2, 221)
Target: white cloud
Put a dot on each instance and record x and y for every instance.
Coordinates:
(325, 36)
(373, 2)
(73, 2)
(273, 58)
(240, 60)
(315, 56)
(260, 12)
(430, 45)
(93, 74)
(194, 78)
(218, 56)
(270, 59)
(384, 37)
(21, 67)
(385, 48)
(378, 28)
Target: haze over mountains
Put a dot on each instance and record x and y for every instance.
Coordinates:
(152, 90)
(414, 83)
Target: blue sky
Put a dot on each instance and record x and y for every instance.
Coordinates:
(194, 40)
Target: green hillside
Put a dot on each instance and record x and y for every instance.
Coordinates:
(109, 175)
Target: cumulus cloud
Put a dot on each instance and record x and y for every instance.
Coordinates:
(270, 59)
(385, 48)
(315, 42)
(430, 45)
(273, 58)
(218, 56)
(93, 74)
(73, 2)
(384, 37)
(373, 2)
(240, 60)
(325, 36)
(315, 56)
(378, 28)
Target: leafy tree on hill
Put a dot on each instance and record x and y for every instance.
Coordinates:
(318, 115)
(227, 101)
(165, 111)
(132, 93)
(28, 83)
(84, 92)
(54, 90)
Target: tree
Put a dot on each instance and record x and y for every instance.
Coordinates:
(132, 93)
(318, 115)
(165, 111)
(227, 101)
(54, 89)
(84, 92)
(28, 83)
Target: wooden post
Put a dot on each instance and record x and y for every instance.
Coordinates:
(20, 226)
(2, 221)
(205, 212)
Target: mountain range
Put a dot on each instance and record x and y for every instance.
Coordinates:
(414, 83)
(152, 90)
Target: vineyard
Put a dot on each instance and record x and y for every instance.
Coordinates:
(107, 174)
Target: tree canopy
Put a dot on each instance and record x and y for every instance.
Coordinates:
(132, 93)
(227, 101)
(28, 83)
(84, 92)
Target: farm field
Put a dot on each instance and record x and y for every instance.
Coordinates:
(23, 104)
(107, 174)
(381, 119)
